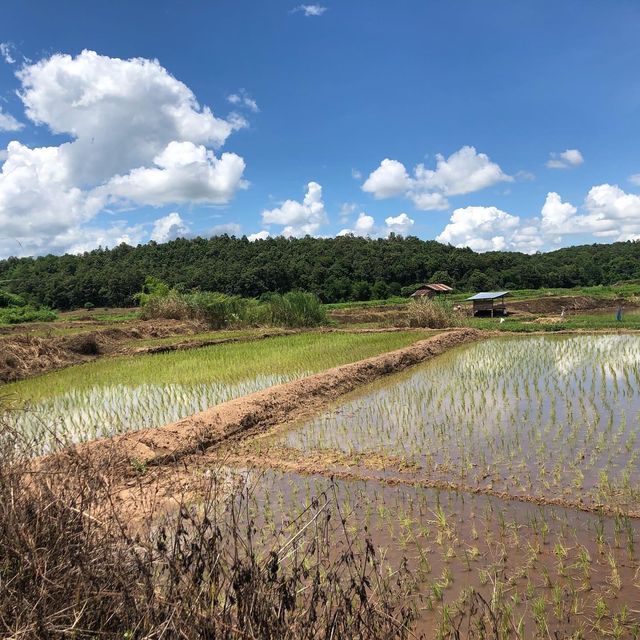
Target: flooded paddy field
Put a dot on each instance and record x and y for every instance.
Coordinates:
(115, 395)
(545, 571)
(552, 417)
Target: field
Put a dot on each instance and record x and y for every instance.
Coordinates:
(114, 395)
(487, 477)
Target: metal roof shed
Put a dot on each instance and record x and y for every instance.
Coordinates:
(430, 290)
(491, 301)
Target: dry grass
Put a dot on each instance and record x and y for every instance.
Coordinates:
(433, 313)
(70, 566)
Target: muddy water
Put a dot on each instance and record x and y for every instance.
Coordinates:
(543, 415)
(559, 570)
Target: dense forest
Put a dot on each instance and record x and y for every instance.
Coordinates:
(336, 269)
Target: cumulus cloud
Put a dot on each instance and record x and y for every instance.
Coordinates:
(8, 122)
(388, 180)
(299, 218)
(364, 226)
(137, 135)
(243, 99)
(400, 224)
(6, 51)
(169, 227)
(184, 172)
(310, 10)
(480, 228)
(607, 212)
(261, 235)
(635, 179)
(565, 160)
(464, 171)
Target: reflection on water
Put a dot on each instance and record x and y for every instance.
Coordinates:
(552, 410)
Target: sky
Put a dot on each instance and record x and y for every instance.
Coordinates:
(493, 125)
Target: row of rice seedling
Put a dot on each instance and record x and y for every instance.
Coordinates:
(542, 415)
(113, 395)
(540, 571)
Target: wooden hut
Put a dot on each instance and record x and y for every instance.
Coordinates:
(489, 302)
(431, 290)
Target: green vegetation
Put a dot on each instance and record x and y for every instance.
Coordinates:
(335, 269)
(14, 310)
(114, 395)
(218, 310)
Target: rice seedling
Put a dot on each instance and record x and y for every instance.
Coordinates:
(114, 395)
(543, 415)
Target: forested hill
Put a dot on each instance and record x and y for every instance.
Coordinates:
(337, 269)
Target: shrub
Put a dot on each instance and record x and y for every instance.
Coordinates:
(218, 310)
(16, 315)
(11, 300)
(433, 313)
(172, 306)
(296, 309)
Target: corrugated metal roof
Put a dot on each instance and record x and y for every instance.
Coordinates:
(488, 295)
(437, 287)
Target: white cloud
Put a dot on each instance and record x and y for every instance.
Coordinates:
(346, 209)
(88, 238)
(388, 180)
(635, 179)
(243, 99)
(608, 212)
(557, 214)
(185, 172)
(565, 160)
(400, 224)
(261, 235)
(356, 174)
(299, 218)
(364, 226)
(464, 171)
(136, 135)
(229, 228)
(8, 122)
(169, 227)
(480, 228)
(6, 49)
(310, 10)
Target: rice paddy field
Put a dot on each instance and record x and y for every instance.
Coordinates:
(546, 572)
(544, 416)
(115, 395)
(508, 465)
(504, 470)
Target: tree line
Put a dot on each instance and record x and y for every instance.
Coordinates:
(335, 269)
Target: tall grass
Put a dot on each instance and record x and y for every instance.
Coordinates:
(218, 310)
(434, 313)
(296, 309)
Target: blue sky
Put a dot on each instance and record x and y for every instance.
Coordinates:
(111, 148)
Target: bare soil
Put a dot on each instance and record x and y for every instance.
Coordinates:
(24, 354)
(549, 305)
